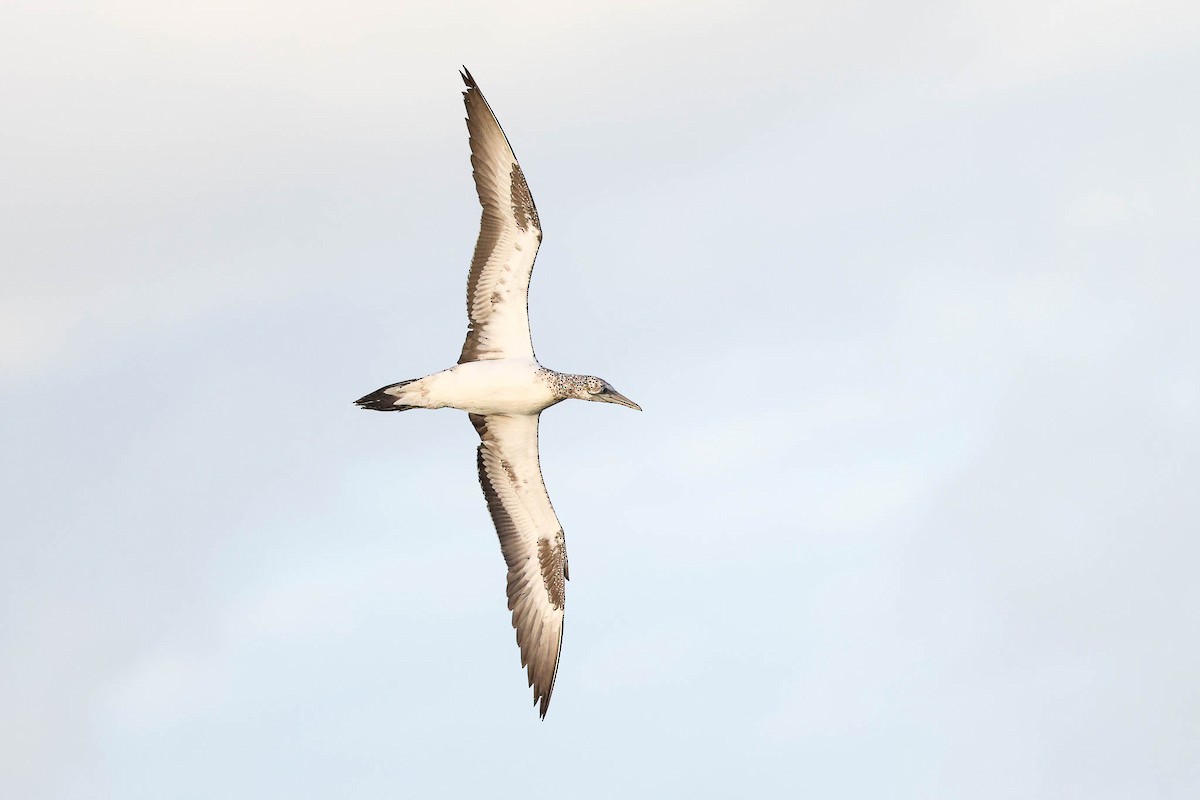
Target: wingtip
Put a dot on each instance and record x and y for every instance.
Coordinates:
(541, 698)
(467, 79)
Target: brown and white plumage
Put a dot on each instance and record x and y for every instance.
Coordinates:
(531, 539)
(499, 382)
(509, 236)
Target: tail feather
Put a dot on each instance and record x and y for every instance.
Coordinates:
(380, 400)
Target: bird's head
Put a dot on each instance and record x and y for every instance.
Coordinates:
(600, 390)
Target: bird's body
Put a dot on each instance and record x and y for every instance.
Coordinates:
(500, 384)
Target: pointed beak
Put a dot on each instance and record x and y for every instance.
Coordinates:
(612, 396)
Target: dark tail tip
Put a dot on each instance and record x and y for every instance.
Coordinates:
(380, 400)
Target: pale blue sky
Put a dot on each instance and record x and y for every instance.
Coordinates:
(908, 292)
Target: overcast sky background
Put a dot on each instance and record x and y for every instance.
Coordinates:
(908, 292)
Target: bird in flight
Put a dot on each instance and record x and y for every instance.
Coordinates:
(502, 387)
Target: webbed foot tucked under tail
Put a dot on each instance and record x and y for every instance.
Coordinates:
(384, 399)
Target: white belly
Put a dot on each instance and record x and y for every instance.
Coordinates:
(506, 386)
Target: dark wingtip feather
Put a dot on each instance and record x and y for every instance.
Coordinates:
(467, 79)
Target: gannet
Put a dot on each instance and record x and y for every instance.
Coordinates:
(502, 387)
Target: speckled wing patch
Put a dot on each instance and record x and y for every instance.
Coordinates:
(553, 561)
(524, 211)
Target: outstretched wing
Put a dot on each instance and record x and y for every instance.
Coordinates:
(531, 540)
(509, 235)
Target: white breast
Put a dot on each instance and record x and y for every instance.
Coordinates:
(504, 386)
